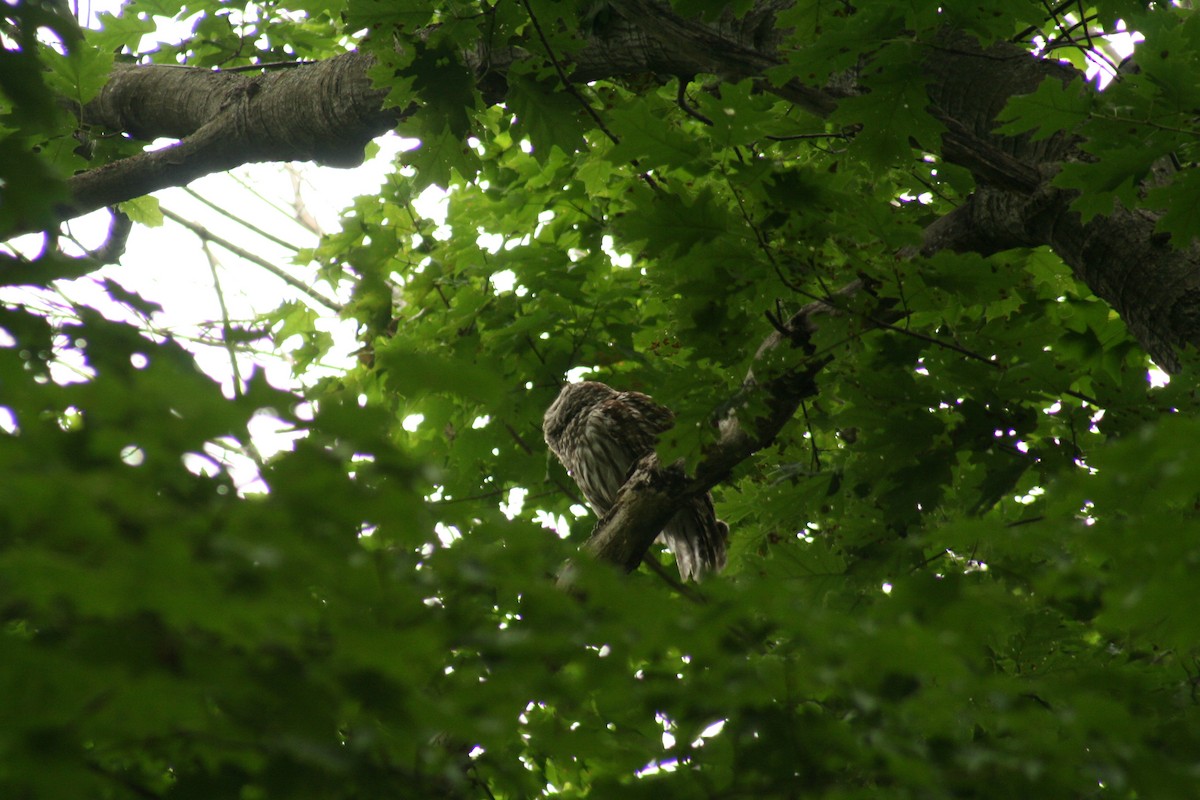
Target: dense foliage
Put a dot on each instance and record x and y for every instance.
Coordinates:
(964, 569)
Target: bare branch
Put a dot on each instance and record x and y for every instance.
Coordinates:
(208, 236)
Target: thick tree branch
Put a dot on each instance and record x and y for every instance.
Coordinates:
(327, 111)
(1152, 284)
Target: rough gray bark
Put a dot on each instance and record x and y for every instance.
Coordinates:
(325, 112)
(1153, 285)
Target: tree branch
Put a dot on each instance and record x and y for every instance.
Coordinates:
(327, 111)
(787, 366)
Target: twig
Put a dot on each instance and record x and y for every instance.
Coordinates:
(113, 247)
(681, 101)
(518, 438)
(574, 92)
(577, 344)
(763, 245)
(562, 76)
(686, 591)
(812, 437)
(295, 283)
(801, 136)
(241, 220)
(1053, 14)
(290, 216)
(226, 325)
(268, 65)
(533, 347)
(437, 287)
(304, 217)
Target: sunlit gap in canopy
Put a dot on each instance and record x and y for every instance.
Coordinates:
(558, 524)
(669, 741)
(1107, 52)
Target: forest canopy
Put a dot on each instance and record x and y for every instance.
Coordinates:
(920, 284)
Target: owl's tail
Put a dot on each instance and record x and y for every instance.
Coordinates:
(697, 539)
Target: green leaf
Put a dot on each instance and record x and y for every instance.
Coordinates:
(649, 139)
(438, 159)
(675, 225)
(380, 17)
(143, 210)
(446, 89)
(30, 187)
(414, 373)
(119, 30)
(1100, 183)
(892, 118)
(1180, 200)
(964, 566)
(550, 115)
(1053, 107)
(81, 73)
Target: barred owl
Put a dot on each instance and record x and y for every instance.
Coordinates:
(598, 434)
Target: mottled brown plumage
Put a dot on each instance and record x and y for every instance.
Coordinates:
(598, 434)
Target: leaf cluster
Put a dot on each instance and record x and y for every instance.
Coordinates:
(963, 570)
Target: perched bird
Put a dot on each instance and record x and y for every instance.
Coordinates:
(599, 434)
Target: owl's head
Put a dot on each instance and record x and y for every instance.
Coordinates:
(574, 400)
